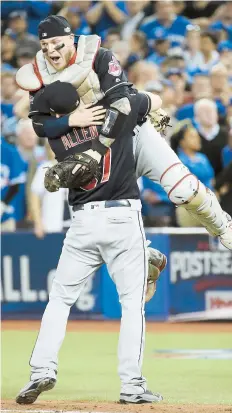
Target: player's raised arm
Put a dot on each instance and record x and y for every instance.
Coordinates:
(113, 80)
(158, 117)
(155, 101)
(61, 98)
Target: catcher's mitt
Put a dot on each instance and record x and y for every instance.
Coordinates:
(74, 171)
(160, 120)
(156, 262)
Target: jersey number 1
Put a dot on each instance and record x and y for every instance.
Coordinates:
(106, 169)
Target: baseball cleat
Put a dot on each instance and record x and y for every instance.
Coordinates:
(32, 390)
(146, 397)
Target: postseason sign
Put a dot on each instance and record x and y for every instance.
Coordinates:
(200, 274)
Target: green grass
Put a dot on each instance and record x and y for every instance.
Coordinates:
(88, 367)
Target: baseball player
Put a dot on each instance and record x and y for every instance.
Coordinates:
(106, 227)
(95, 73)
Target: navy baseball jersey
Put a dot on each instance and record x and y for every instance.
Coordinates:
(118, 180)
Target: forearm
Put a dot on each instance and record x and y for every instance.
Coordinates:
(51, 127)
(117, 15)
(156, 101)
(93, 15)
(35, 208)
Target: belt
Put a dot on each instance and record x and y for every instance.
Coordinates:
(103, 204)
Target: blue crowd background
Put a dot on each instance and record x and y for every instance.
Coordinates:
(181, 50)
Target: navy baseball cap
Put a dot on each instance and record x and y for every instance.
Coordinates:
(225, 46)
(57, 98)
(53, 26)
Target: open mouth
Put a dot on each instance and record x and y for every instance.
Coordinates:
(55, 59)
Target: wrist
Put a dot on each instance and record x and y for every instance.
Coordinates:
(70, 120)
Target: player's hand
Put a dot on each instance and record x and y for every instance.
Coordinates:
(86, 116)
(39, 231)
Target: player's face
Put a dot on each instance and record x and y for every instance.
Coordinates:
(58, 50)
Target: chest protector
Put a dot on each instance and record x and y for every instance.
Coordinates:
(80, 73)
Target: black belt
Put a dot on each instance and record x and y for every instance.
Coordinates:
(108, 204)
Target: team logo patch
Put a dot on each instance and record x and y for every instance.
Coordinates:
(114, 67)
(67, 30)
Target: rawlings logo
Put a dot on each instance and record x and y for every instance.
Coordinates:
(114, 67)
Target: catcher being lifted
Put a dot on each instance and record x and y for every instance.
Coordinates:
(82, 169)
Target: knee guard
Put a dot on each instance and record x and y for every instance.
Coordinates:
(180, 184)
(184, 189)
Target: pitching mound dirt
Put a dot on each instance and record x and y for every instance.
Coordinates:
(106, 407)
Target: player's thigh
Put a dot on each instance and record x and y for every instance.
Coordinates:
(153, 155)
(76, 265)
(127, 256)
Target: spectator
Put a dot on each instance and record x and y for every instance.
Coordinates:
(24, 55)
(9, 88)
(192, 54)
(166, 91)
(208, 48)
(8, 52)
(20, 110)
(121, 51)
(45, 217)
(222, 21)
(17, 28)
(220, 85)
(138, 48)
(161, 47)
(225, 51)
(36, 11)
(136, 14)
(229, 114)
(200, 11)
(30, 155)
(178, 78)
(223, 182)
(106, 14)
(227, 151)
(213, 136)
(223, 186)
(11, 178)
(76, 20)
(187, 143)
(113, 36)
(177, 60)
(158, 210)
(168, 97)
(165, 21)
(142, 72)
(201, 88)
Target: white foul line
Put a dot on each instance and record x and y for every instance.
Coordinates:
(48, 411)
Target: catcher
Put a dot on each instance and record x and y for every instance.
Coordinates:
(96, 73)
(80, 170)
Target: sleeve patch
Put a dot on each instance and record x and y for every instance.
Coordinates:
(114, 67)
